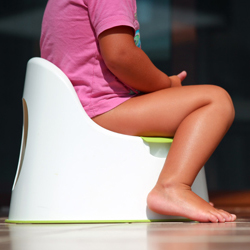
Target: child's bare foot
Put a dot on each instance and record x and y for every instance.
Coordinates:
(179, 200)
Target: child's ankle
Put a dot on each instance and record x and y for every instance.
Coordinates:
(170, 184)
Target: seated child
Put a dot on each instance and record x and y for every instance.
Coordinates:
(97, 45)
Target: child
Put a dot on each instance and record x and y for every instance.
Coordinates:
(94, 43)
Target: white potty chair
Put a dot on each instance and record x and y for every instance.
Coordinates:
(73, 171)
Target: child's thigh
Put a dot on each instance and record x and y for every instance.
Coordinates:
(158, 113)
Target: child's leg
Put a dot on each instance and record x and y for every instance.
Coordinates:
(198, 117)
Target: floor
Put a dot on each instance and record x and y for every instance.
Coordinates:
(137, 236)
(150, 236)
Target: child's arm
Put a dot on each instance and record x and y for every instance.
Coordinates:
(130, 64)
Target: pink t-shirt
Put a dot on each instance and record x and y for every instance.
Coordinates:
(69, 39)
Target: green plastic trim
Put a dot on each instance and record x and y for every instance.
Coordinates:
(93, 221)
(157, 139)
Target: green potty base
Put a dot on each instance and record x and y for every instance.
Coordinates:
(92, 221)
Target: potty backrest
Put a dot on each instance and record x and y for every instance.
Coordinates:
(45, 79)
(53, 117)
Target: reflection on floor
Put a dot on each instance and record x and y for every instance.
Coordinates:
(144, 236)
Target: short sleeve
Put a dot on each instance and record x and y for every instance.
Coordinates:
(106, 14)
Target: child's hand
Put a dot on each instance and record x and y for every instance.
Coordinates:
(182, 75)
(176, 80)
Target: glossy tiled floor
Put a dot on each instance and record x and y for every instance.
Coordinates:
(145, 236)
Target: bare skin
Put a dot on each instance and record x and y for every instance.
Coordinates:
(197, 117)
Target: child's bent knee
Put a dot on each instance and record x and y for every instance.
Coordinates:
(224, 103)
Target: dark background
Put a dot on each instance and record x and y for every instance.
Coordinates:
(210, 39)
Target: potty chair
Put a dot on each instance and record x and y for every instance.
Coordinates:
(71, 170)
